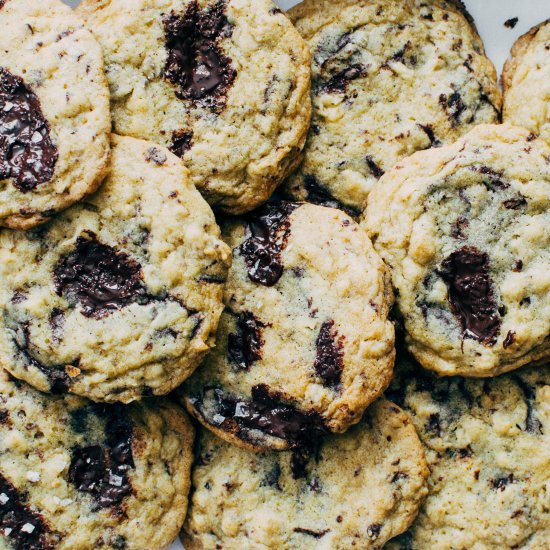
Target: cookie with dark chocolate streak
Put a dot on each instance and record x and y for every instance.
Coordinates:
(78, 474)
(464, 230)
(389, 79)
(359, 490)
(225, 84)
(120, 296)
(54, 112)
(304, 343)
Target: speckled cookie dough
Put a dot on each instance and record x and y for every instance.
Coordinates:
(79, 475)
(465, 231)
(54, 112)
(224, 83)
(526, 82)
(304, 344)
(389, 78)
(120, 296)
(362, 488)
(488, 448)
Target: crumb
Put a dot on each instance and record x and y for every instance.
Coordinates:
(511, 23)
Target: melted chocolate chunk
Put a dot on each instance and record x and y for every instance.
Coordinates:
(471, 294)
(4, 416)
(181, 143)
(310, 533)
(329, 362)
(103, 471)
(511, 23)
(196, 63)
(338, 83)
(453, 105)
(429, 131)
(269, 230)
(515, 203)
(532, 424)
(373, 530)
(376, 171)
(317, 194)
(23, 527)
(509, 340)
(27, 153)
(245, 345)
(499, 484)
(99, 278)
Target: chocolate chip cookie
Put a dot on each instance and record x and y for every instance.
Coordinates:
(304, 343)
(465, 232)
(527, 75)
(223, 83)
(389, 79)
(77, 474)
(488, 449)
(54, 112)
(120, 296)
(361, 489)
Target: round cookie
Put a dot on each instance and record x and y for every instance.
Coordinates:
(363, 488)
(304, 344)
(74, 474)
(118, 297)
(389, 79)
(487, 444)
(527, 75)
(224, 83)
(54, 112)
(464, 230)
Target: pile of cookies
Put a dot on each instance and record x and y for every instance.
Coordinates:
(310, 231)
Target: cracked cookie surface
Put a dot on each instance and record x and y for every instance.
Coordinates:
(118, 297)
(389, 79)
(304, 343)
(487, 444)
(77, 474)
(54, 112)
(464, 230)
(224, 83)
(361, 489)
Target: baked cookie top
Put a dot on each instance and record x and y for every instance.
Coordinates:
(488, 448)
(304, 343)
(362, 488)
(54, 112)
(74, 474)
(464, 230)
(389, 78)
(224, 83)
(526, 82)
(120, 296)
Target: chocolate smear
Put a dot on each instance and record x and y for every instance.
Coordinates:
(245, 345)
(329, 362)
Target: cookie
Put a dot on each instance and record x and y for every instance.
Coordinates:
(120, 296)
(526, 75)
(389, 79)
(77, 474)
(362, 488)
(223, 83)
(54, 112)
(488, 449)
(304, 343)
(464, 231)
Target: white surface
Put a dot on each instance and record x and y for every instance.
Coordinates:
(490, 16)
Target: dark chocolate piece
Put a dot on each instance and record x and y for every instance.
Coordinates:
(329, 362)
(100, 278)
(181, 143)
(245, 345)
(373, 530)
(376, 171)
(22, 527)
(268, 230)
(338, 83)
(453, 106)
(499, 484)
(196, 63)
(27, 153)
(532, 424)
(429, 131)
(515, 203)
(511, 23)
(310, 533)
(509, 340)
(317, 194)
(471, 294)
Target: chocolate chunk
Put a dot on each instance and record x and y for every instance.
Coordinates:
(4, 416)
(373, 530)
(16, 516)
(532, 424)
(317, 194)
(458, 228)
(433, 425)
(471, 294)
(398, 476)
(181, 143)
(245, 345)
(499, 484)
(511, 23)
(103, 471)
(329, 362)
(27, 153)
(453, 105)
(428, 130)
(310, 533)
(339, 82)
(509, 340)
(268, 229)
(377, 172)
(101, 279)
(515, 203)
(196, 63)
